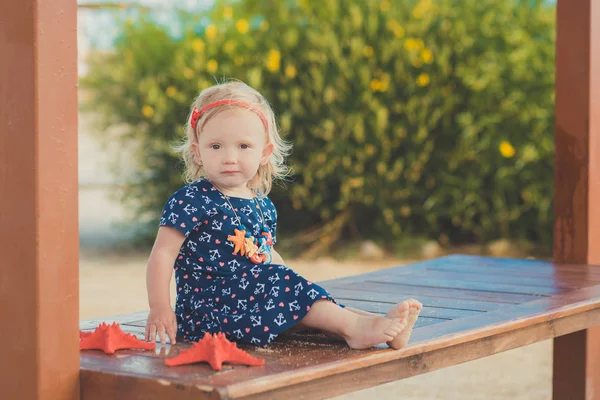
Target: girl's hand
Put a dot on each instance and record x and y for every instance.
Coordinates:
(161, 320)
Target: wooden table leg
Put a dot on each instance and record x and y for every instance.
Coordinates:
(577, 182)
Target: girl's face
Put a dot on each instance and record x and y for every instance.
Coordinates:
(231, 148)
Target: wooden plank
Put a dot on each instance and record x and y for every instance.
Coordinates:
(488, 287)
(101, 386)
(443, 293)
(482, 272)
(512, 263)
(120, 319)
(456, 304)
(430, 312)
(38, 200)
(571, 280)
(472, 276)
(499, 265)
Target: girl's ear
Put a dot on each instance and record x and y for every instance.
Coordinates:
(267, 151)
(196, 153)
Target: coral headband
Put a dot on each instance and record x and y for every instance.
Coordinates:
(196, 114)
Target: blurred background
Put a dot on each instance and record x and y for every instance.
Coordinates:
(420, 128)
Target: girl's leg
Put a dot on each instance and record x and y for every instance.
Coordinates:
(359, 331)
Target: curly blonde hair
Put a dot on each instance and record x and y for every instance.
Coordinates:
(262, 182)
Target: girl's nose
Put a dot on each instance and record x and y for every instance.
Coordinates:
(230, 157)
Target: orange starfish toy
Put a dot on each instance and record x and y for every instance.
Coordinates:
(110, 338)
(215, 350)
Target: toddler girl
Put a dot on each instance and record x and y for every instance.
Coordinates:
(219, 231)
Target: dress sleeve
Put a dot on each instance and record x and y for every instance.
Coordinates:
(271, 218)
(183, 211)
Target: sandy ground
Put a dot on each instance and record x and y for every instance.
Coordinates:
(115, 284)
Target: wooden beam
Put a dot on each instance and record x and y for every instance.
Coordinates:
(577, 182)
(38, 200)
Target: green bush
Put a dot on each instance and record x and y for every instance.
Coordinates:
(418, 118)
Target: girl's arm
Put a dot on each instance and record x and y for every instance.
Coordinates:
(277, 259)
(162, 319)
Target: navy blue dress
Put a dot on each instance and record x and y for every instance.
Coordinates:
(219, 291)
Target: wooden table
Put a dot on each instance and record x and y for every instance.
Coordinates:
(473, 307)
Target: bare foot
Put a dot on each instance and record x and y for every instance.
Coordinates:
(371, 331)
(399, 311)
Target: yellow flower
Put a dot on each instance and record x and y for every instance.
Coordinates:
(506, 149)
(413, 44)
(238, 60)
(370, 149)
(290, 71)
(385, 5)
(423, 79)
(211, 31)
(171, 91)
(188, 73)
(427, 56)
(273, 60)
(198, 45)
(375, 85)
(211, 66)
(228, 12)
(405, 211)
(264, 26)
(147, 111)
(242, 26)
(368, 51)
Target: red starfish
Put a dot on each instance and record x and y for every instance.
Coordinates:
(215, 350)
(110, 338)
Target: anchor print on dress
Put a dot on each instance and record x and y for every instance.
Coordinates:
(214, 254)
(243, 284)
(216, 225)
(189, 209)
(280, 319)
(189, 192)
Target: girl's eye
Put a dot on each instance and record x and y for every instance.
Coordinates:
(215, 146)
(245, 146)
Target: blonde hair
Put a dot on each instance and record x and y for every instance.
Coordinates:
(262, 182)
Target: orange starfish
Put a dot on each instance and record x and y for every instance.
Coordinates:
(215, 350)
(239, 241)
(83, 334)
(110, 338)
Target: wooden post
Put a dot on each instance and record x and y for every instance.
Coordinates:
(577, 182)
(39, 276)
